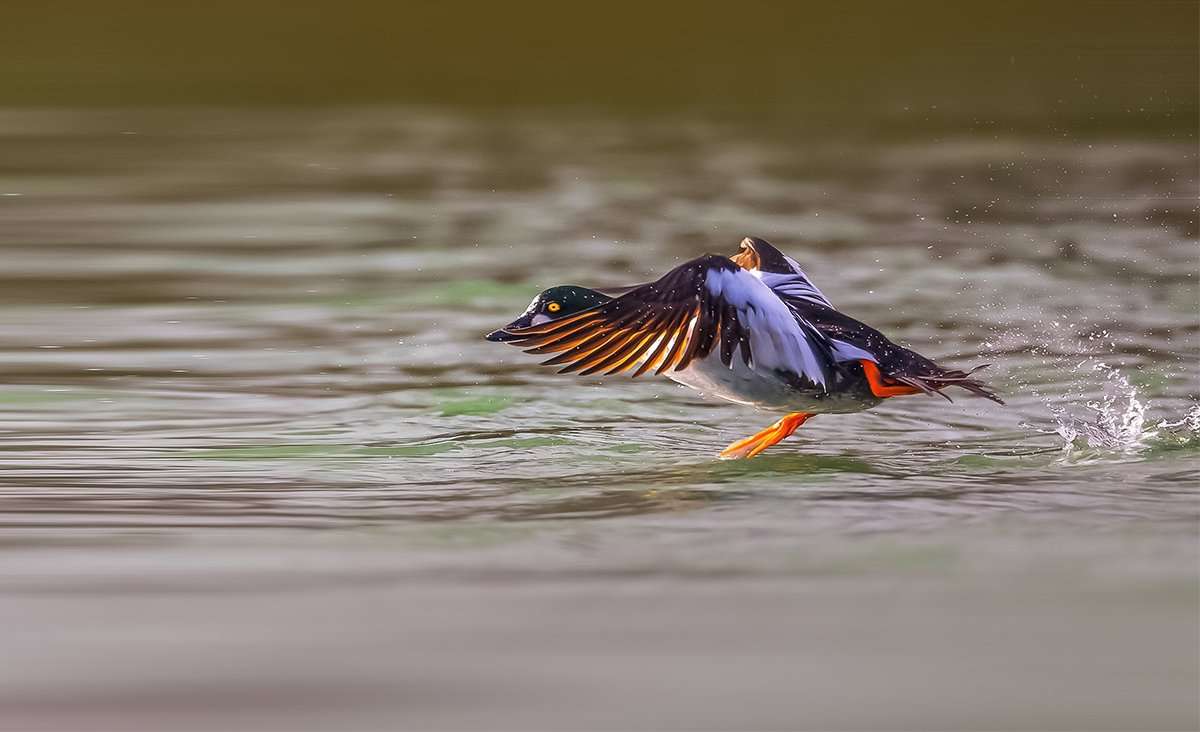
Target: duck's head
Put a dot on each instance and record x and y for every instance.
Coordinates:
(557, 302)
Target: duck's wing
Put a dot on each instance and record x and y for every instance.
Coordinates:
(706, 304)
(854, 340)
(851, 341)
(794, 288)
(778, 271)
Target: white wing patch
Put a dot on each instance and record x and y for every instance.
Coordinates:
(847, 352)
(777, 340)
(795, 285)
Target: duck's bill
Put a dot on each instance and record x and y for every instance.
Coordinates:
(502, 335)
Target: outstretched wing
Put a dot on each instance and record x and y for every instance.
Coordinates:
(794, 287)
(706, 304)
(778, 271)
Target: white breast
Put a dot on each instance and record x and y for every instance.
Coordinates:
(740, 384)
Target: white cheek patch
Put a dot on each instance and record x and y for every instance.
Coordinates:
(540, 318)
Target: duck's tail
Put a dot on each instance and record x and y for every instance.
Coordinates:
(935, 381)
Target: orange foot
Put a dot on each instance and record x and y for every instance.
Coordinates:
(881, 389)
(754, 444)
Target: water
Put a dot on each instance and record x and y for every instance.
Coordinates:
(259, 468)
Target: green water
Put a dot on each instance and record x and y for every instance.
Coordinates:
(259, 469)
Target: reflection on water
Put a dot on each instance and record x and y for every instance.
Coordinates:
(255, 448)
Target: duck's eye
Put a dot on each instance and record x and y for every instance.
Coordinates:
(553, 307)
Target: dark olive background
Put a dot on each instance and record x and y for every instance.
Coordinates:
(879, 67)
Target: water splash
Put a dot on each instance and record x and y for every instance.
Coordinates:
(1090, 418)
(1183, 432)
(1116, 422)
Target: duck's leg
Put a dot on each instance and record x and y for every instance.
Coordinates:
(879, 388)
(756, 443)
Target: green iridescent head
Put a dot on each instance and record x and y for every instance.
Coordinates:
(552, 304)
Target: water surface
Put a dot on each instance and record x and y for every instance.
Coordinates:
(259, 468)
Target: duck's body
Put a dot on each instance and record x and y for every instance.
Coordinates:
(741, 384)
(750, 329)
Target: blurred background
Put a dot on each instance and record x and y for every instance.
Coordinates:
(258, 469)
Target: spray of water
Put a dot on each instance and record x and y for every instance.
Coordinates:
(1116, 422)
(1089, 417)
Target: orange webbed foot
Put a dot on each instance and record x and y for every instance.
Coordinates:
(756, 443)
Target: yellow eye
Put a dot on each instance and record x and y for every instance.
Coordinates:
(554, 307)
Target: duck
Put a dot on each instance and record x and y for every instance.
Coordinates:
(750, 328)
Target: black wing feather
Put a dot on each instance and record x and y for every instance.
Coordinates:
(650, 323)
(896, 362)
